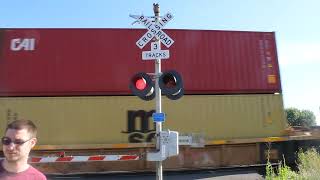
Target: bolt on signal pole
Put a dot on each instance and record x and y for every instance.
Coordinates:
(156, 10)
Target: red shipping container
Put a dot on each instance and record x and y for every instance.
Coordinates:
(62, 62)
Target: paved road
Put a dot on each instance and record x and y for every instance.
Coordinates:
(199, 175)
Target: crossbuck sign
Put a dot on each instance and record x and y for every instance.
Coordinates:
(154, 29)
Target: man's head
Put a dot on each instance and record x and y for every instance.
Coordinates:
(19, 139)
(24, 124)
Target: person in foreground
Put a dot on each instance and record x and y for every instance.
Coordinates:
(19, 139)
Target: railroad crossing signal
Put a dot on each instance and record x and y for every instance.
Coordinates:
(170, 82)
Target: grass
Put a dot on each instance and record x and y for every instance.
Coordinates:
(308, 167)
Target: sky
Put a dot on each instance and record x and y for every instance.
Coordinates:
(295, 22)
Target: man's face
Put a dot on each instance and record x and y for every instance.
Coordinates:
(15, 152)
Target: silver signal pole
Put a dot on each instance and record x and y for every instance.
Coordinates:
(156, 10)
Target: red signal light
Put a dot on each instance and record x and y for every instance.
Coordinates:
(141, 84)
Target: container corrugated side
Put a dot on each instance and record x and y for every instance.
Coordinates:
(62, 62)
(116, 119)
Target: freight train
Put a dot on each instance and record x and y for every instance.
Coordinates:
(74, 84)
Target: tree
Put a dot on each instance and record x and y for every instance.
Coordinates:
(298, 117)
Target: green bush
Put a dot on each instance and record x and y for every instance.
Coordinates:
(284, 172)
(308, 165)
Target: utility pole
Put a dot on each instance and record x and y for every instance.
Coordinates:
(156, 10)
